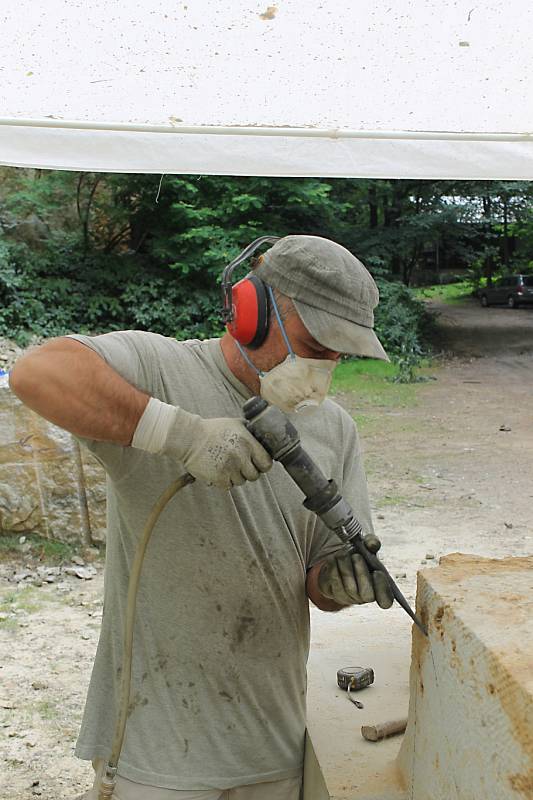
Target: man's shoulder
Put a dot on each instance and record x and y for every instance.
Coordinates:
(332, 407)
(338, 413)
(169, 349)
(330, 421)
(156, 340)
(140, 341)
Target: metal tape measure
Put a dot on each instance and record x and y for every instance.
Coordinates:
(355, 678)
(351, 679)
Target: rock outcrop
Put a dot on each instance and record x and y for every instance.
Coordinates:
(49, 485)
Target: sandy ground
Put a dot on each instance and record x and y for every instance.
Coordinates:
(451, 473)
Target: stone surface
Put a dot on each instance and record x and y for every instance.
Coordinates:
(470, 731)
(46, 478)
(9, 353)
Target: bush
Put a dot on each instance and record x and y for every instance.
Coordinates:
(45, 297)
(402, 323)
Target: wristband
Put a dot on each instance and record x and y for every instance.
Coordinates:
(152, 429)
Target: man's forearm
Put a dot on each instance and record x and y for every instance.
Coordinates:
(314, 593)
(70, 385)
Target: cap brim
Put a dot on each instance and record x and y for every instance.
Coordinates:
(339, 334)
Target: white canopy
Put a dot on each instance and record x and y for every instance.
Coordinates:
(353, 88)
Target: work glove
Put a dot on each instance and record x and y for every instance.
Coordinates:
(220, 451)
(346, 578)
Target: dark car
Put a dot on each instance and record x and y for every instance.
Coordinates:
(513, 290)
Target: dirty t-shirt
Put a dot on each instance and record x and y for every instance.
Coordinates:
(222, 625)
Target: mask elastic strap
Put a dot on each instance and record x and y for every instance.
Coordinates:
(250, 363)
(280, 323)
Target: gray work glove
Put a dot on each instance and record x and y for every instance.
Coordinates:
(346, 579)
(220, 451)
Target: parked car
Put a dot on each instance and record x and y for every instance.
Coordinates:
(513, 290)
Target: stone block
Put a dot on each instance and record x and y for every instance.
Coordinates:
(48, 484)
(470, 731)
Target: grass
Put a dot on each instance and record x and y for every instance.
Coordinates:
(47, 709)
(20, 598)
(17, 599)
(46, 550)
(366, 422)
(413, 498)
(392, 500)
(371, 382)
(452, 293)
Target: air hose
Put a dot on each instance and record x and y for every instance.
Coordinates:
(108, 779)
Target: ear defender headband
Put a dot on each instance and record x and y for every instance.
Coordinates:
(245, 304)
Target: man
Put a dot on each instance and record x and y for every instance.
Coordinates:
(222, 626)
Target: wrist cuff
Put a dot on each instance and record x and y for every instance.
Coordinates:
(153, 427)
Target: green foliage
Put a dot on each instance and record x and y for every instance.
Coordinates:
(408, 360)
(36, 547)
(42, 298)
(372, 383)
(94, 252)
(82, 274)
(451, 293)
(402, 324)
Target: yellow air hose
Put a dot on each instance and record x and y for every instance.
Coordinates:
(108, 779)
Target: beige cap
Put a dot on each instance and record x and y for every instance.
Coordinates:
(333, 292)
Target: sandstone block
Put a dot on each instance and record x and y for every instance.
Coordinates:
(470, 730)
(48, 484)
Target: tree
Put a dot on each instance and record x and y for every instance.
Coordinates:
(86, 251)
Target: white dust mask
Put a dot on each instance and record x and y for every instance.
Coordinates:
(297, 384)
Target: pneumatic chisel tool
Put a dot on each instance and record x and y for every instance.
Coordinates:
(273, 429)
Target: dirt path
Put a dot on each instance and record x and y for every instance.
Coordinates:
(470, 330)
(452, 472)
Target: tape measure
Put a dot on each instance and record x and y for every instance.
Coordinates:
(355, 678)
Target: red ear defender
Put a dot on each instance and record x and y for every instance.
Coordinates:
(249, 324)
(245, 305)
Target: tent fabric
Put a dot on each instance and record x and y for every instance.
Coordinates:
(121, 151)
(405, 89)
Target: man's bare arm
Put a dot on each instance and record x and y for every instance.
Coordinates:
(314, 593)
(70, 385)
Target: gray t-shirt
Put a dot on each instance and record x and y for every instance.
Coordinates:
(222, 627)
